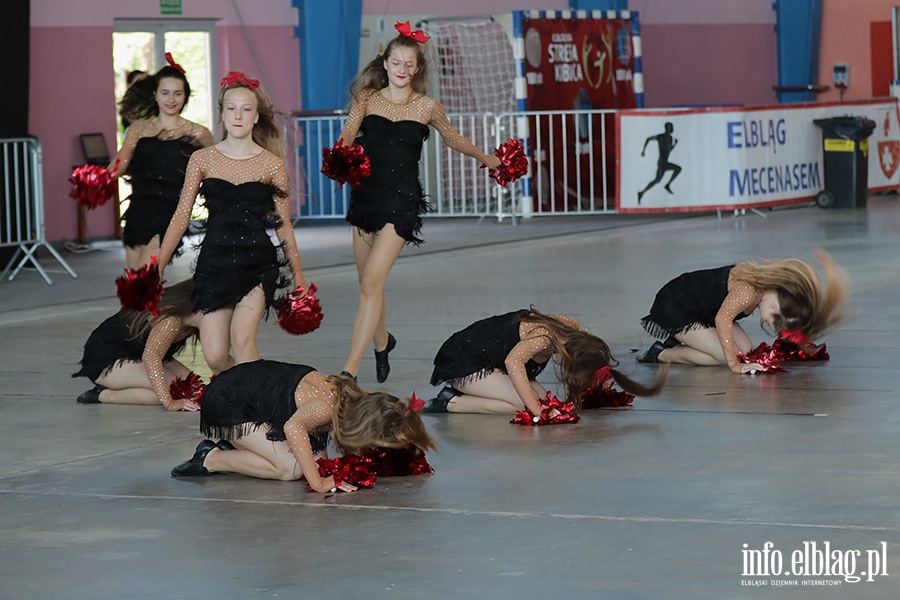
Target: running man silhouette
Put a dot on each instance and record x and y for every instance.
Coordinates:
(666, 145)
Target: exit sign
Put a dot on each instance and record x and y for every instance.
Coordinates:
(170, 7)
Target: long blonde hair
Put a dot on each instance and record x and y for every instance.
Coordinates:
(177, 301)
(374, 420)
(374, 77)
(580, 354)
(266, 131)
(805, 304)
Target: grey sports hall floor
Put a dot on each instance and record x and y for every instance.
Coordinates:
(653, 502)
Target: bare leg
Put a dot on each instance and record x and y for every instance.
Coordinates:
(133, 256)
(702, 347)
(257, 457)
(128, 383)
(245, 323)
(151, 249)
(493, 394)
(215, 339)
(374, 269)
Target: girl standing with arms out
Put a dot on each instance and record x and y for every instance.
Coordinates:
(154, 157)
(696, 313)
(130, 357)
(390, 113)
(492, 365)
(244, 182)
(270, 410)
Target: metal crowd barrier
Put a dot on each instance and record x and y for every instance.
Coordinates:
(572, 166)
(22, 213)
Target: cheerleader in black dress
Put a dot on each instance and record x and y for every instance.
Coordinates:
(491, 366)
(390, 114)
(695, 315)
(130, 357)
(244, 183)
(154, 158)
(278, 415)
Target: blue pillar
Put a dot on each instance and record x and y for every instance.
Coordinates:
(328, 36)
(798, 29)
(598, 4)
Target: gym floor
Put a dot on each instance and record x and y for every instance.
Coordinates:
(668, 499)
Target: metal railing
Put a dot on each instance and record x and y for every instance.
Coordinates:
(22, 212)
(572, 166)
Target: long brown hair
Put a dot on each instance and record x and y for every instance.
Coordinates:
(805, 304)
(374, 77)
(580, 354)
(266, 131)
(139, 100)
(374, 420)
(177, 301)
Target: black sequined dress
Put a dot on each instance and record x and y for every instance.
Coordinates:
(156, 174)
(690, 301)
(237, 252)
(480, 349)
(250, 395)
(392, 193)
(111, 344)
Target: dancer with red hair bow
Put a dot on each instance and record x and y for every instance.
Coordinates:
(244, 183)
(390, 117)
(154, 157)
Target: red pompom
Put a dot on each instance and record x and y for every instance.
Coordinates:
(565, 413)
(188, 388)
(602, 394)
(353, 469)
(299, 315)
(791, 350)
(513, 162)
(346, 164)
(766, 356)
(398, 462)
(92, 185)
(141, 289)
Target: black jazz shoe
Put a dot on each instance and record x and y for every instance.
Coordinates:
(194, 467)
(92, 396)
(651, 354)
(382, 366)
(439, 403)
(348, 374)
(225, 445)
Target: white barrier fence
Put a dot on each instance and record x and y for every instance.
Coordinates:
(22, 208)
(572, 166)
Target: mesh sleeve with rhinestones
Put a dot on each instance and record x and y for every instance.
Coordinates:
(134, 133)
(742, 298)
(316, 400)
(278, 176)
(534, 342)
(162, 335)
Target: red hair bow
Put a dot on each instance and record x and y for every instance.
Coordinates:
(235, 78)
(797, 337)
(416, 404)
(406, 31)
(172, 62)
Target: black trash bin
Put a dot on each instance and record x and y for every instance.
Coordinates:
(846, 152)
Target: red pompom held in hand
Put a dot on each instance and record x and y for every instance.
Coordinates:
(92, 185)
(602, 394)
(565, 413)
(346, 164)
(782, 350)
(301, 314)
(141, 289)
(513, 162)
(188, 388)
(353, 469)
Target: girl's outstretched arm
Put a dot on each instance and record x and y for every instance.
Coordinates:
(515, 361)
(455, 140)
(742, 297)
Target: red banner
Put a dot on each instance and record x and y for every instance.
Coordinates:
(577, 64)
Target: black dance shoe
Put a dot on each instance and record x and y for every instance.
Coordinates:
(347, 374)
(92, 396)
(382, 366)
(671, 342)
(225, 445)
(651, 354)
(194, 467)
(439, 403)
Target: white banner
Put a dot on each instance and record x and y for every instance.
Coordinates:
(704, 159)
